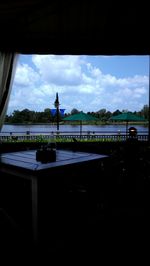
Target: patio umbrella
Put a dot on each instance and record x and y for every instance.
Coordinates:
(81, 116)
(127, 117)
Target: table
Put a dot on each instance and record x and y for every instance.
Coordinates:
(23, 164)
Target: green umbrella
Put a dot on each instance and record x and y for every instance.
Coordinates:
(127, 117)
(81, 116)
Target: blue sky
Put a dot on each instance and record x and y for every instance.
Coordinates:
(87, 83)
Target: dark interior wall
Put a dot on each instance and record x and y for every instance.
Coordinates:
(74, 27)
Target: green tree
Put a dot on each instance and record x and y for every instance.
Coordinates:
(145, 111)
(74, 111)
(16, 117)
(117, 112)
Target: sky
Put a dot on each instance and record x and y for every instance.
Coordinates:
(87, 83)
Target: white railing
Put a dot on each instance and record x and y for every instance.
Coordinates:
(101, 136)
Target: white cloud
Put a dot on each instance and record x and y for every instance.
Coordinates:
(80, 84)
(60, 70)
(140, 91)
(133, 81)
(25, 75)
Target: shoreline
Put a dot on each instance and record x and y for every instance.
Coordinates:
(77, 123)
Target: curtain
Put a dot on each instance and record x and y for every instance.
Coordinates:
(8, 62)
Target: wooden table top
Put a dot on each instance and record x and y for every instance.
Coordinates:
(27, 159)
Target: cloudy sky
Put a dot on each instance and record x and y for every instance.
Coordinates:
(87, 83)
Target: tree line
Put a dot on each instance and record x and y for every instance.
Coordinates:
(28, 116)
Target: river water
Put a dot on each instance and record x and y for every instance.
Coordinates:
(35, 129)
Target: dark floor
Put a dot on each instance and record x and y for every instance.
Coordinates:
(102, 233)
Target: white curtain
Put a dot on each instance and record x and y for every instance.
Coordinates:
(8, 62)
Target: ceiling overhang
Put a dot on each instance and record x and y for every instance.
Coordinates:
(74, 27)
